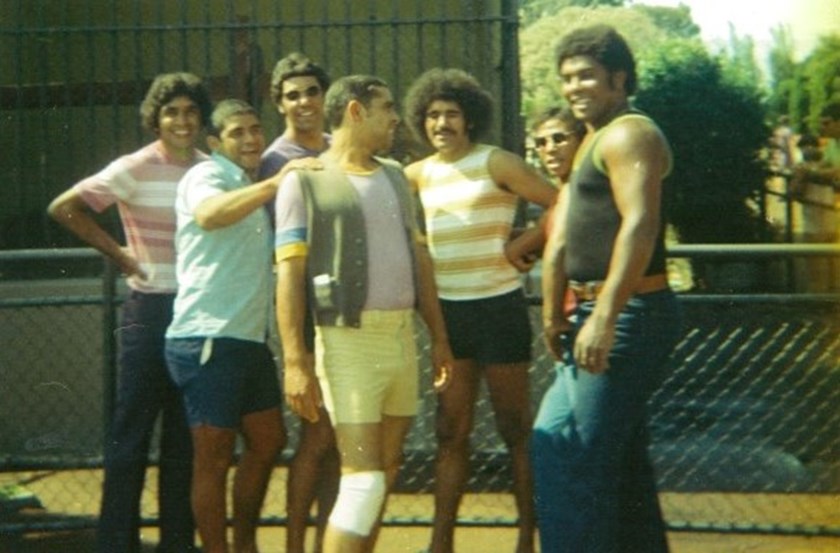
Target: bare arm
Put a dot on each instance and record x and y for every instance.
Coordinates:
(636, 157)
(429, 308)
(512, 173)
(524, 248)
(71, 211)
(554, 276)
(231, 207)
(300, 383)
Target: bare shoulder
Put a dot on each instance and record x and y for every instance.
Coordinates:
(635, 140)
(500, 159)
(504, 166)
(413, 171)
(632, 132)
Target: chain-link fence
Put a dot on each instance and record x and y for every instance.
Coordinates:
(746, 430)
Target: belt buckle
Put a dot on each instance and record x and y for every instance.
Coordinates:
(585, 291)
(590, 290)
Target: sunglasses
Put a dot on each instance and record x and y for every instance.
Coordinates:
(295, 95)
(556, 137)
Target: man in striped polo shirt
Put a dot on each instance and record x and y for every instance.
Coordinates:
(142, 185)
(470, 193)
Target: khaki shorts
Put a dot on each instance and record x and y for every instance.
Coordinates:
(369, 371)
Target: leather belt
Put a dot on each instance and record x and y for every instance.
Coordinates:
(590, 290)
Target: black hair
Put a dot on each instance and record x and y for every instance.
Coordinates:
(226, 109)
(167, 86)
(565, 116)
(362, 88)
(295, 65)
(606, 46)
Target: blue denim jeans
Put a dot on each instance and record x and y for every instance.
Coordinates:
(594, 485)
(144, 392)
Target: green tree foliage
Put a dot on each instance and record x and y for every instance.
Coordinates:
(533, 10)
(677, 21)
(716, 128)
(739, 65)
(821, 76)
(782, 68)
(803, 89)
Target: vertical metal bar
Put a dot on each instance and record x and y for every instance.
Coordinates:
(138, 63)
(396, 29)
(44, 159)
(160, 37)
(348, 42)
(374, 29)
(421, 53)
(512, 133)
(115, 76)
(207, 41)
(18, 118)
(325, 33)
(230, 40)
(301, 29)
(444, 27)
(790, 263)
(184, 54)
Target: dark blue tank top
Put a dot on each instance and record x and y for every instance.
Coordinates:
(593, 221)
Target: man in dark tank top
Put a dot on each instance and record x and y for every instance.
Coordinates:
(595, 490)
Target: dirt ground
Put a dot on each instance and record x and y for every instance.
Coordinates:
(468, 540)
(73, 496)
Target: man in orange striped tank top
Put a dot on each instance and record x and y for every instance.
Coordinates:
(470, 193)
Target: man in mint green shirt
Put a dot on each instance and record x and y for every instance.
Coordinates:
(216, 344)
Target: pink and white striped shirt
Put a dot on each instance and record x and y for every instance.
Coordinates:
(143, 185)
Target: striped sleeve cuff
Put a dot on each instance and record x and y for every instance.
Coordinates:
(296, 249)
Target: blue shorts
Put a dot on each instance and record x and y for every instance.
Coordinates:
(223, 379)
(490, 331)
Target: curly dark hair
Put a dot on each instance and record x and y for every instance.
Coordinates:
(167, 86)
(296, 65)
(451, 85)
(605, 45)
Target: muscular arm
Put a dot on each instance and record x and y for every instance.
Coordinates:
(71, 211)
(554, 276)
(300, 382)
(636, 157)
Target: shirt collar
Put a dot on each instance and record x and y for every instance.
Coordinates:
(230, 168)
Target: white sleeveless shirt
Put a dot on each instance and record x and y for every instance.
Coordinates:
(468, 221)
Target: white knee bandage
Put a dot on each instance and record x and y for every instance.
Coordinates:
(360, 498)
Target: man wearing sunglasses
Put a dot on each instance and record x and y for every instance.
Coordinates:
(297, 89)
(557, 135)
(298, 86)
